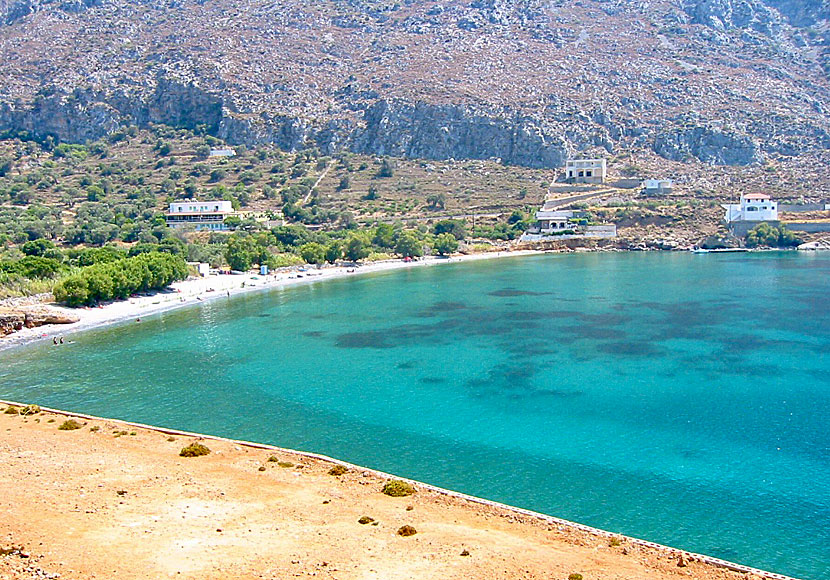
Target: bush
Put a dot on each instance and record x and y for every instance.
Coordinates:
(406, 531)
(575, 576)
(106, 281)
(69, 425)
(11, 411)
(338, 470)
(398, 488)
(194, 450)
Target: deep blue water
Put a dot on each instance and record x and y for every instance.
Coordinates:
(675, 397)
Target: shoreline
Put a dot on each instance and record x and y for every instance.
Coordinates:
(576, 533)
(192, 292)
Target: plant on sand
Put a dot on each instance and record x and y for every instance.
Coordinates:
(69, 425)
(408, 531)
(338, 470)
(398, 488)
(194, 450)
(575, 576)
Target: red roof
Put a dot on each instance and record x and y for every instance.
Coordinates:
(756, 196)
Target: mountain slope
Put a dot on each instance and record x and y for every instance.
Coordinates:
(733, 82)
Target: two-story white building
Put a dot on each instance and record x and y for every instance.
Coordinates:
(202, 215)
(585, 170)
(754, 207)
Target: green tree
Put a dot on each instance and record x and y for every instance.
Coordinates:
(387, 169)
(37, 247)
(334, 251)
(345, 183)
(408, 245)
(313, 253)
(436, 200)
(454, 227)
(384, 236)
(445, 244)
(356, 248)
(240, 252)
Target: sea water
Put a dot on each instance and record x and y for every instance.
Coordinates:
(674, 397)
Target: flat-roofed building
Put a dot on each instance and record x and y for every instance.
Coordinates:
(202, 215)
(657, 187)
(754, 207)
(585, 170)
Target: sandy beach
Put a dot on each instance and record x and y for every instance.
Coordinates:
(115, 500)
(199, 290)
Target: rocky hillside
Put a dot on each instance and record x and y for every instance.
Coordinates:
(728, 82)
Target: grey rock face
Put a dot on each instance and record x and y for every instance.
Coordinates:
(709, 145)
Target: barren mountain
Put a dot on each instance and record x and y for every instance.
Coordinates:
(731, 82)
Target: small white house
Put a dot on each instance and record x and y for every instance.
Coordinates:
(226, 152)
(657, 186)
(202, 215)
(754, 207)
(585, 170)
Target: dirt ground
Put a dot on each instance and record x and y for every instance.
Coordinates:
(109, 500)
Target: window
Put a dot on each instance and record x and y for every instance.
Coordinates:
(588, 173)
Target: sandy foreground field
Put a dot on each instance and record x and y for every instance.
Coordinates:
(113, 500)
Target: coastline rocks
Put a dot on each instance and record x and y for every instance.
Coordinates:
(13, 319)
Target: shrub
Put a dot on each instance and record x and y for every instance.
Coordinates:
(614, 542)
(285, 464)
(398, 488)
(29, 410)
(69, 425)
(194, 450)
(338, 470)
(575, 576)
(119, 279)
(410, 531)
(365, 520)
(11, 411)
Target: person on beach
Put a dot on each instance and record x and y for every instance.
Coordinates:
(54, 340)
(60, 340)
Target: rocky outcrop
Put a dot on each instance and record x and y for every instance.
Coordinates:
(13, 319)
(764, 16)
(456, 131)
(709, 145)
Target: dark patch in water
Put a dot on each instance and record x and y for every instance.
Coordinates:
(589, 331)
(397, 335)
(370, 339)
(263, 315)
(532, 315)
(631, 348)
(558, 394)
(441, 307)
(409, 364)
(607, 319)
(314, 333)
(510, 292)
(432, 380)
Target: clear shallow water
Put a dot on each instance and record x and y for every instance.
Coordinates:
(674, 397)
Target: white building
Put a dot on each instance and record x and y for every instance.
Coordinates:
(585, 170)
(227, 152)
(754, 207)
(202, 215)
(657, 186)
(566, 224)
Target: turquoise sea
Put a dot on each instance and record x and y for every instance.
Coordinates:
(680, 398)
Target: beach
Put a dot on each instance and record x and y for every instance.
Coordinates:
(116, 500)
(216, 286)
